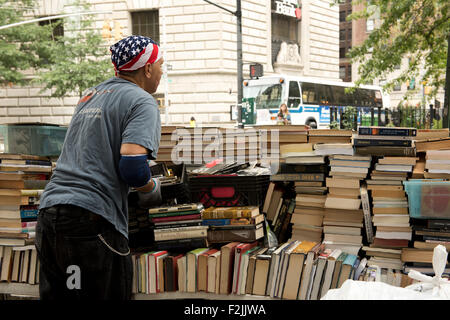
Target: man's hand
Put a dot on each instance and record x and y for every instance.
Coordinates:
(152, 198)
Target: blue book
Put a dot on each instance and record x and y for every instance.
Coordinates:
(29, 213)
(216, 222)
(347, 268)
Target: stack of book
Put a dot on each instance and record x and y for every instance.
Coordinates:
(328, 149)
(197, 145)
(233, 224)
(22, 181)
(19, 264)
(437, 164)
(310, 198)
(389, 202)
(178, 226)
(273, 138)
(385, 141)
(329, 136)
(344, 196)
(296, 270)
(167, 143)
(428, 233)
(241, 145)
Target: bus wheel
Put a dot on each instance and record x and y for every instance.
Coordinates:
(312, 124)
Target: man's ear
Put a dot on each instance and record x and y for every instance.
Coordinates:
(148, 70)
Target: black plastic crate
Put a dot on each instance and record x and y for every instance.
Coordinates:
(229, 190)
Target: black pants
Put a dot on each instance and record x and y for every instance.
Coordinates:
(81, 256)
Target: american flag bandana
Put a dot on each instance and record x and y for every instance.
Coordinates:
(134, 52)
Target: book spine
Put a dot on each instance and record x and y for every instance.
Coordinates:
(438, 224)
(178, 225)
(26, 214)
(382, 142)
(172, 214)
(216, 222)
(180, 235)
(298, 168)
(231, 236)
(297, 177)
(175, 218)
(386, 151)
(29, 224)
(366, 209)
(387, 131)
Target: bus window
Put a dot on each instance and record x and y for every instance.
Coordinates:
(309, 95)
(340, 98)
(294, 95)
(270, 98)
(323, 94)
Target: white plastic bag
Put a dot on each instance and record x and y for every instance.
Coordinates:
(429, 288)
(434, 286)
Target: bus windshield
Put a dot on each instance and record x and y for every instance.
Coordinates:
(267, 96)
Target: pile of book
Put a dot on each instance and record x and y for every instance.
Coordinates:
(429, 204)
(19, 264)
(197, 145)
(428, 233)
(22, 181)
(390, 210)
(385, 141)
(296, 270)
(178, 226)
(240, 145)
(167, 143)
(346, 174)
(437, 164)
(329, 136)
(310, 197)
(273, 138)
(233, 224)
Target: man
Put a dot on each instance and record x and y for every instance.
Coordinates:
(82, 231)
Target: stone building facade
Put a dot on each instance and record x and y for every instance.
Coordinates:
(199, 41)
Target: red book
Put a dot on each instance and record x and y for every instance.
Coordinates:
(390, 243)
(177, 218)
(226, 267)
(153, 274)
(240, 250)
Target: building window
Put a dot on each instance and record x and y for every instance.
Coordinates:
(284, 28)
(342, 35)
(342, 72)
(342, 16)
(58, 27)
(342, 52)
(146, 23)
(397, 87)
(369, 25)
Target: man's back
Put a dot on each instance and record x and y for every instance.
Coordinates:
(87, 175)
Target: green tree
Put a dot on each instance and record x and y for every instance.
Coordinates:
(79, 60)
(415, 29)
(22, 47)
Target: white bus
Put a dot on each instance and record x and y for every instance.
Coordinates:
(308, 99)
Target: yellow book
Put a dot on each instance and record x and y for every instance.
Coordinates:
(230, 212)
(304, 247)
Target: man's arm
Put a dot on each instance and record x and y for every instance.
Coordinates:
(130, 149)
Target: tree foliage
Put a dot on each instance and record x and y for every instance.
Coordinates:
(414, 29)
(21, 47)
(67, 64)
(79, 60)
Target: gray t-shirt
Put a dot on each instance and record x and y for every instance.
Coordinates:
(87, 171)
